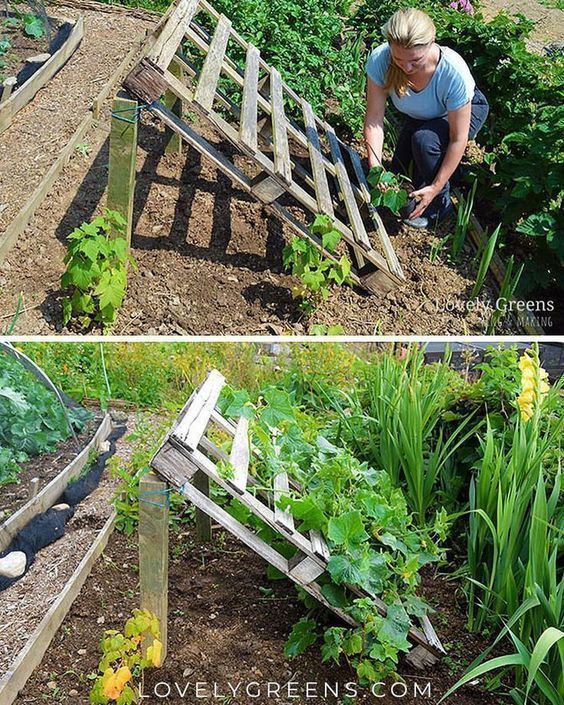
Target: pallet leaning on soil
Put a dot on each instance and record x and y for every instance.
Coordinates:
(51, 492)
(329, 180)
(187, 452)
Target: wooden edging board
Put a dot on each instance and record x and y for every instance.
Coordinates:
(51, 492)
(22, 219)
(32, 653)
(22, 96)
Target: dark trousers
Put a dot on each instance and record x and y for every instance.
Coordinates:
(423, 143)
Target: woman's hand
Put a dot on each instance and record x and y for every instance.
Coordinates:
(423, 196)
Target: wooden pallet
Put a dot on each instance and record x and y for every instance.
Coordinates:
(187, 452)
(300, 157)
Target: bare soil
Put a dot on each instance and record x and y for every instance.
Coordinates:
(223, 629)
(549, 21)
(210, 259)
(45, 468)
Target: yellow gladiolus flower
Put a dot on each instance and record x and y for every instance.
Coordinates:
(533, 386)
(155, 653)
(114, 683)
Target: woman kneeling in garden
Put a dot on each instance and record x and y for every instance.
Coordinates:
(433, 87)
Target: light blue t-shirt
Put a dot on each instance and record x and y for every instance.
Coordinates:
(450, 87)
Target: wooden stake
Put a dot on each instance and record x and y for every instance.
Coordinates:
(203, 521)
(123, 153)
(33, 488)
(153, 551)
(174, 104)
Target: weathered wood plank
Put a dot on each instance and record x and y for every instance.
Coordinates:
(153, 553)
(304, 569)
(282, 166)
(240, 456)
(318, 545)
(172, 33)
(249, 103)
(322, 192)
(211, 70)
(51, 492)
(173, 142)
(266, 188)
(347, 194)
(31, 655)
(123, 155)
(193, 424)
(282, 517)
(391, 257)
(201, 482)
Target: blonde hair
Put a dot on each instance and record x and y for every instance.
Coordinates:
(409, 28)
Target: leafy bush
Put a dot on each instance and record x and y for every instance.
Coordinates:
(96, 270)
(32, 420)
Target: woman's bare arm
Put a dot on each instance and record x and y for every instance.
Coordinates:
(374, 122)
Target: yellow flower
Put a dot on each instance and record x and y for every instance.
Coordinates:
(114, 683)
(533, 386)
(155, 653)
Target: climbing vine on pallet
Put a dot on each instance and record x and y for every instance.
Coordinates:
(373, 543)
(315, 271)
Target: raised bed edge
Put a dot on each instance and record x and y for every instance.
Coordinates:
(49, 494)
(22, 96)
(32, 653)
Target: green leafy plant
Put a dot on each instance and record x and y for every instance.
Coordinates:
(365, 520)
(485, 261)
(391, 195)
(32, 420)
(125, 658)
(507, 291)
(315, 271)
(34, 26)
(463, 213)
(96, 270)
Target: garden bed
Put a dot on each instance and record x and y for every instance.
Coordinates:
(222, 628)
(210, 260)
(45, 468)
(24, 603)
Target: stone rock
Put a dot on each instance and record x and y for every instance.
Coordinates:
(13, 565)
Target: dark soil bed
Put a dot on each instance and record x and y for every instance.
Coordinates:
(223, 629)
(210, 260)
(44, 467)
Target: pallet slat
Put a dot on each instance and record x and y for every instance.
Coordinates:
(211, 70)
(282, 517)
(316, 156)
(348, 198)
(249, 103)
(282, 166)
(240, 456)
(172, 33)
(194, 422)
